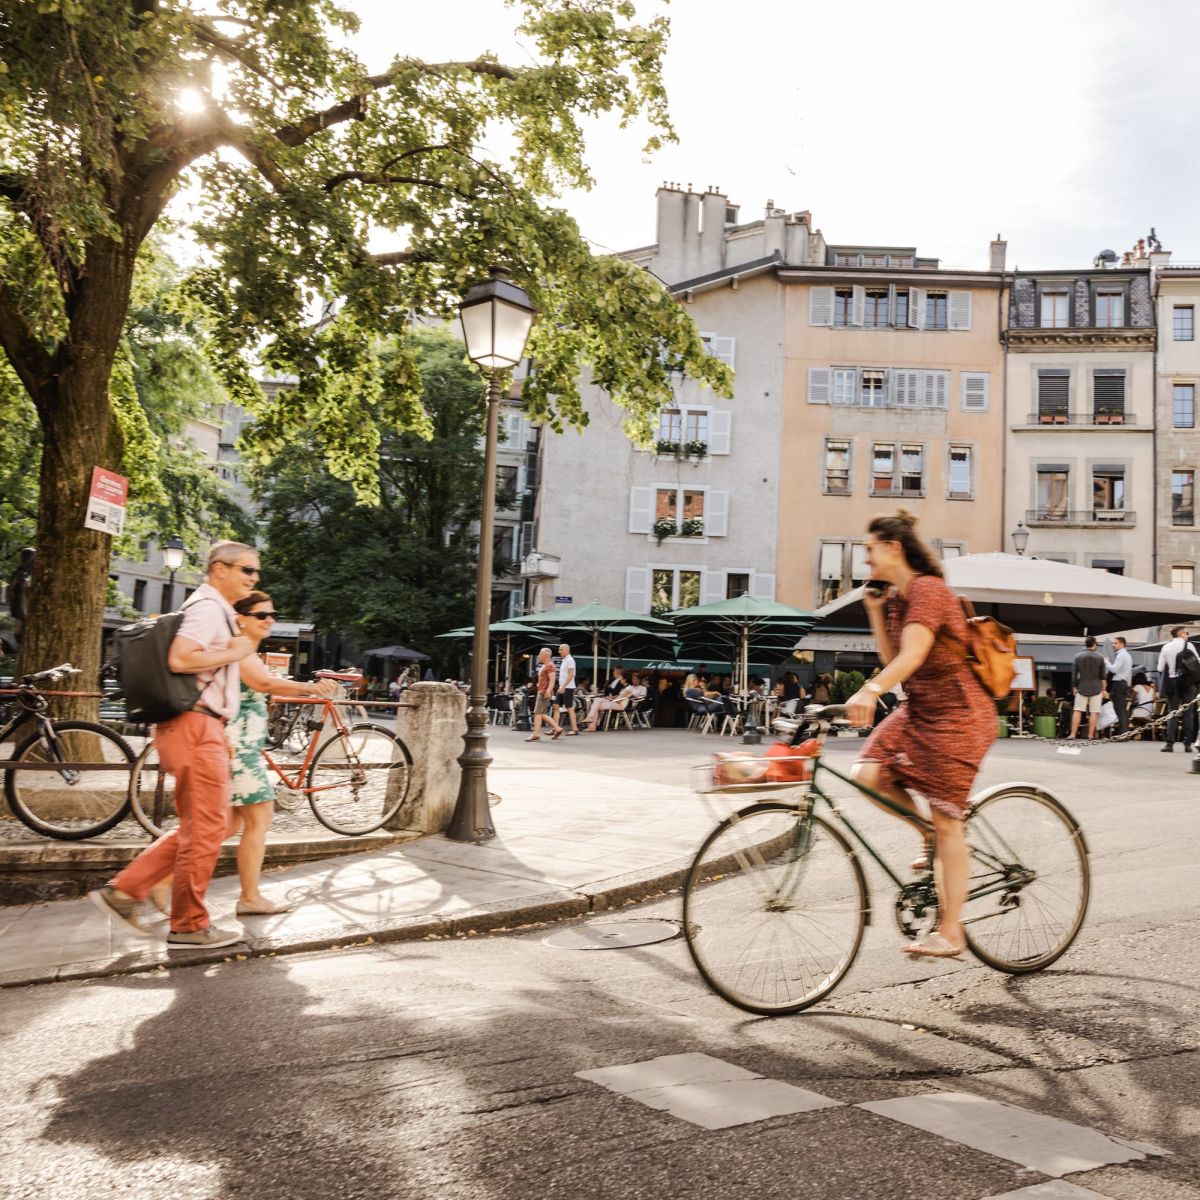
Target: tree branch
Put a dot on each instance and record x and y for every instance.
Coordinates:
(33, 365)
(383, 178)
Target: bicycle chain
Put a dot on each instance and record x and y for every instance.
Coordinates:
(1157, 723)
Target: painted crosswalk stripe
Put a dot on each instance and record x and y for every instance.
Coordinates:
(705, 1091)
(1046, 1144)
(1055, 1189)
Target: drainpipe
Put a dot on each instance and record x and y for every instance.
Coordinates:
(1154, 442)
(1001, 323)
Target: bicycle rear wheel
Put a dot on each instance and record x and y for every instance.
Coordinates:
(1029, 856)
(69, 805)
(774, 908)
(359, 779)
(152, 794)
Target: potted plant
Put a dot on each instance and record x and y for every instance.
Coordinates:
(666, 448)
(664, 528)
(1045, 716)
(692, 527)
(695, 449)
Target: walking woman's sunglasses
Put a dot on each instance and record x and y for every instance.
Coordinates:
(265, 616)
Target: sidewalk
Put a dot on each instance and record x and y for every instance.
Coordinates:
(584, 824)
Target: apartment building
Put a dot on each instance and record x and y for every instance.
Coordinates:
(1177, 296)
(694, 518)
(892, 399)
(1079, 381)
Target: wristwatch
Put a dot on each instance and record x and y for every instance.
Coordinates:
(873, 688)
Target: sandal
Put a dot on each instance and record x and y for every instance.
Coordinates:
(934, 946)
(265, 909)
(535, 738)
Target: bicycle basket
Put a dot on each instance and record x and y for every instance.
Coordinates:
(782, 767)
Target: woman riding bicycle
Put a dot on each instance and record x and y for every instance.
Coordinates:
(924, 757)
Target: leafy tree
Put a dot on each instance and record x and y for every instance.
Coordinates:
(402, 571)
(297, 153)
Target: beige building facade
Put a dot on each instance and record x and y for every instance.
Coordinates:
(893, 398)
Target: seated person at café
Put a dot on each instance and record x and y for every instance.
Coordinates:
(617, 683)
(694, 689)
(632, 693)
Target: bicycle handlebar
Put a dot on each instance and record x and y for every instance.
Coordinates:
(50, 675)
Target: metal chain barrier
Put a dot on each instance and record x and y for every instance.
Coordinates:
(1129, 736)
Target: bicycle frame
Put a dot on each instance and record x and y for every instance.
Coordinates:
(329, 710)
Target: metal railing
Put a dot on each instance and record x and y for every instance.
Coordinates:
(1079, 516)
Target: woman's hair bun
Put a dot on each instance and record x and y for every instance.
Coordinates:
(905, 518)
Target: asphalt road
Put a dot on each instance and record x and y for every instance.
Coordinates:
(448, 1069)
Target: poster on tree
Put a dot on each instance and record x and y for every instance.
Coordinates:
(106, 502)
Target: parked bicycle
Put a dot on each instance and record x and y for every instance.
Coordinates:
(67, 779)
(776, 901)
(355, 780)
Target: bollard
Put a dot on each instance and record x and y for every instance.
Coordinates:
(1196, 758)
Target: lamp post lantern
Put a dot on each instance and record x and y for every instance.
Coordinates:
(496, 318)
(172, 553)
(1020, 537)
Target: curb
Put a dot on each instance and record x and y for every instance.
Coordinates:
(503, 916)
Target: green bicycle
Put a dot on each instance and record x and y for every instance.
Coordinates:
(776, 901)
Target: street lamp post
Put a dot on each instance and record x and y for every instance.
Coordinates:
(172, 554)
(496, 318)
(1020, 537)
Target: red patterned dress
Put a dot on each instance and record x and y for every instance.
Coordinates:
(934, 742)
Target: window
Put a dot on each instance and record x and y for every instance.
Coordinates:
(843, 307)
(900, 307)
(1114, 566)
(165, 604)
(1183, 404)
(139, 595)
(1056, 313)
(1183, 324)
(1108, 492)
(912, 470)
(936, 310)
(1053, 391)
(670, 425)
(883, 470)
(951, 550)
(678, 504)
(507, 480)
(1183, 502)
(837, 468)
(960, 473)
(1108, 397)
(873, 388)
(859, 571)
(695, 425)
(845, 385)
(875, 315)
(670, 589)
(831, 581)
(1110, 309)
(737, 583)
(1183, 578)
(845, 260)
(874, 260)
(1052, 492)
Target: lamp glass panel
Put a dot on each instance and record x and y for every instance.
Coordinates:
(477, 331)
(173, 557)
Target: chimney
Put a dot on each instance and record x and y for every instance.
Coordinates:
(998, 251)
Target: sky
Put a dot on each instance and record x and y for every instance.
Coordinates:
(1067, 127)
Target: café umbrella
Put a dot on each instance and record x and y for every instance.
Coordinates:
(509, 629)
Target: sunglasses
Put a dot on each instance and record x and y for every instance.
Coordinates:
(264, 616)
(252, 572)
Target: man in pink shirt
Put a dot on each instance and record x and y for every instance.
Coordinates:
(193, 747)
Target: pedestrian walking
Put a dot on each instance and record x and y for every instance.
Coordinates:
(566, 691)
(193, 747)
(544, 696)
(923, 757)
(1120, 670)
(1178, 671)
(1087, 676)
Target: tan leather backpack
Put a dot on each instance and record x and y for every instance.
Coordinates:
(990, 651)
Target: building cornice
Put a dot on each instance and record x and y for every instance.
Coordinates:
(1030, 341)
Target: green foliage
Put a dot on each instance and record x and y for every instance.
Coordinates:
(1043, 706)
(403, 571)
(845, 684)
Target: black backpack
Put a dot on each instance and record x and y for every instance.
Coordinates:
(152, 691)
(1187, 666)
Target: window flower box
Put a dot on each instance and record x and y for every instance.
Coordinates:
(664, 528)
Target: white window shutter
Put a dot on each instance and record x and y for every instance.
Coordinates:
(641, 509)
(716, 514)
(820, 383)
(762, 586)
(722, 348)
(820, 306)
(712, 587)
(959, 310)
(934, 392)
(974, 391)
(858, 306)
(845, 385)
(916, 308)
(720, 423)
(637, 589)
(906, 388)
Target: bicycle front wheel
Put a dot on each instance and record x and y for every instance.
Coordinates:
(1030, 879)
(69, 804)
(774, 908)
(152, 794)
(359, 779)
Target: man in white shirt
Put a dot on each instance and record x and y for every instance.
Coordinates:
(1120, 671)
(1176, 688)
(566, 690)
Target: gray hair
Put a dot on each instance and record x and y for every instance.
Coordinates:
(545, 650)
(227, 553)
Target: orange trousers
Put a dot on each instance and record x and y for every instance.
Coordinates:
(193, 748)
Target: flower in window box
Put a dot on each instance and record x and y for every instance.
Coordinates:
(664, 527)
(692, 527)
(695, 449)
(667, 448)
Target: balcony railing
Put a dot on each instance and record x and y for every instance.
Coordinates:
(1079, 516)
(1056, 417)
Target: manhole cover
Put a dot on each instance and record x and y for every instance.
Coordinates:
(612, 935)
